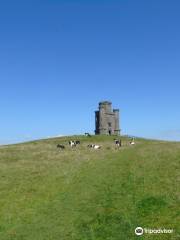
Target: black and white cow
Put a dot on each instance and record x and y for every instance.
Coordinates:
(87, 134)
(94, 146)
(132, 142)
(73, 143)
(117, 142)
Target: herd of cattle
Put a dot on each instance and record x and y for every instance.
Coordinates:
(74, 143)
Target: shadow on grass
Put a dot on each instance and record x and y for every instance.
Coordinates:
(151, 205)
(105, 225)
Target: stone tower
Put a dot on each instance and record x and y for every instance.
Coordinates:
(106, 119)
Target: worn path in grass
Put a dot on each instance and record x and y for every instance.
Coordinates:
(86, 194)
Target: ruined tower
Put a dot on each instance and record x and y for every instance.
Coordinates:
(106, 119)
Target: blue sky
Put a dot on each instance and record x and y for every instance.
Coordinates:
(58, 59)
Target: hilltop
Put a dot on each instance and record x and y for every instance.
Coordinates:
(86, 194)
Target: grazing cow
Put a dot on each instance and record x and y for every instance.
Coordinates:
(77, 142)
(117, 142)
(87, 134)
(132, 142)
(94, 146)
(72, 143)
(60, 146)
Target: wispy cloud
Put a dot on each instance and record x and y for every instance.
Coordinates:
(56, 136)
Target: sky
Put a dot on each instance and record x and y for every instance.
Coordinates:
(59, 59)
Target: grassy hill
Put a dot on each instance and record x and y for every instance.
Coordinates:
(86, 194)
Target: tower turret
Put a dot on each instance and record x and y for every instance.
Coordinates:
(106, 119)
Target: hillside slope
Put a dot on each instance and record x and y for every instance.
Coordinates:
(86, 194)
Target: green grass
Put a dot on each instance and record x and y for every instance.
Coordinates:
(86, 194)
